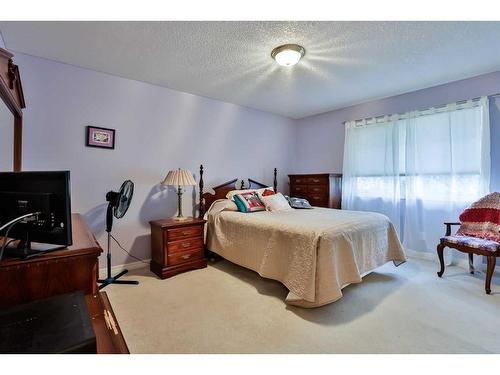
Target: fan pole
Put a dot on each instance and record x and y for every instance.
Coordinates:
(112, 197)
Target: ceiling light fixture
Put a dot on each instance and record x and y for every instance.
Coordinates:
(288, 54)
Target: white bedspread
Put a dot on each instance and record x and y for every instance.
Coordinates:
(314, 253)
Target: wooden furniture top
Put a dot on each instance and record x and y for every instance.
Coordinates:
(11, 91)
(315, 175)
(84, 243)
(220, 191)
(108, 333)
(171, 223)
(10, 83)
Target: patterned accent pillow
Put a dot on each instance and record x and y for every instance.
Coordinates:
(482, 218)
(232, 193)
(249, 202)
(267, 192)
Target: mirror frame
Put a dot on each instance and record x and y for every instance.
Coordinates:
(11, 92)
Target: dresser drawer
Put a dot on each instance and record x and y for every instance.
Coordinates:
(186, 232)
(318, 180)
(185, 245)
(297, 180)
(298, 190)
(183, 257)
(317, 200)
(317, 189)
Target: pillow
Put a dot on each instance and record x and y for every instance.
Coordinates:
(276, 202)
(299, 203)
(482, 218)
(267, 192)
(239, 204)
(249, 202)
(232, 193)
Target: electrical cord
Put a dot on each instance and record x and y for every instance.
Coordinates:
(9, 226)
(121, 247)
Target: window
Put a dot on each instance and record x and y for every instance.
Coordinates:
(420, 167)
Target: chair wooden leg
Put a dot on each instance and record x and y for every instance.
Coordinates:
(471, 263)
(489, 273)
(440, 249)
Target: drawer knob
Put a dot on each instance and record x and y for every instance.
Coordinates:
(186, 244)
(187, 256)
(315, 180)
(185, 233)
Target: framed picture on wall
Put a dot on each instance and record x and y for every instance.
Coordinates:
(100, 137)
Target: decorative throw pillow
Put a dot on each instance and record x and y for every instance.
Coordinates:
(276, 202)
(267, 192)
(482, 218)
(249, 202)
(232, 193)
(299, 203)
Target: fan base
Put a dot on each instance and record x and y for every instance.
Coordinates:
(114, 280)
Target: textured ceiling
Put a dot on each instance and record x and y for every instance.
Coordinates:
(345, 62)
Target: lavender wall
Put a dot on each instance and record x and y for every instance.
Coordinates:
(320, 138)
(157, 130)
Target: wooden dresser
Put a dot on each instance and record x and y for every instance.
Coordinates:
(322, 189)
(177, 246)
(64, 271)
(58, 272)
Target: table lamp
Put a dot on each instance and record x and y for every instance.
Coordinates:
(179, 178)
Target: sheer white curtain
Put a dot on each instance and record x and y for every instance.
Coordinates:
(419, 168)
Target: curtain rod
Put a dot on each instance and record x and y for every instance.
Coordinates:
(436, 106)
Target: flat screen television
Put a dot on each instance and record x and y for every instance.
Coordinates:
(48, 194)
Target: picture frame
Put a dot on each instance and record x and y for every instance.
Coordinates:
(100, 137)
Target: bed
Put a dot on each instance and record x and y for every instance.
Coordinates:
(314, 253)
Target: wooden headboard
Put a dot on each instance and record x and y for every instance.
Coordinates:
(220, 191)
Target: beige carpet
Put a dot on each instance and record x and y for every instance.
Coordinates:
(228, 309)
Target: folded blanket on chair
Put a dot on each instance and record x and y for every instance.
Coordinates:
(482, 218)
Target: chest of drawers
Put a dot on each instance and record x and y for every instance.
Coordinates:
(321, 189)
(176, 246)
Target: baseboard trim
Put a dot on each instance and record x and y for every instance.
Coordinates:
(462, 263)
(120, 267)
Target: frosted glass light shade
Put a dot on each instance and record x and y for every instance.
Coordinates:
(179, 177)
(288, 54)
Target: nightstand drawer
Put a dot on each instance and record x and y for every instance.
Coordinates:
(185, 245)
(183, 257)
(186, 232)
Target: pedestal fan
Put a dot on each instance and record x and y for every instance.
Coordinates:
(117, 207)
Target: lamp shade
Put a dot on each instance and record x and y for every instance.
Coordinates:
(179, 177)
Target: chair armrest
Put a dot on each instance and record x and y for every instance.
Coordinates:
(448, 227)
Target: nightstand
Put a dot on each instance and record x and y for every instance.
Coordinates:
(176, 246)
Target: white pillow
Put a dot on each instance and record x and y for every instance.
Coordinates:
(276, 202)
(261, 191)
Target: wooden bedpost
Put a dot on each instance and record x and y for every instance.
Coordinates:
(275, 181)
(202, 204)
